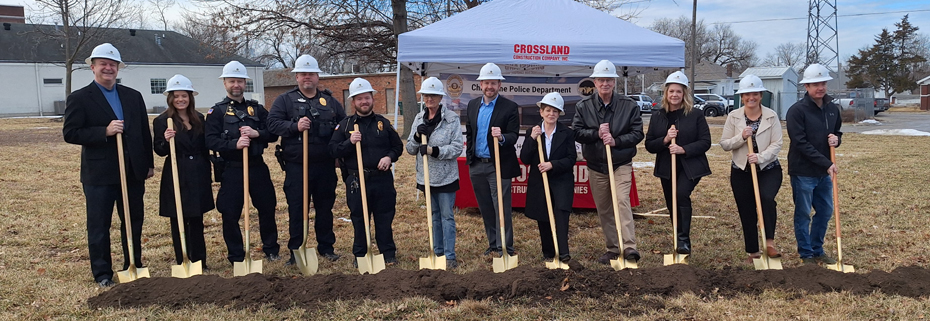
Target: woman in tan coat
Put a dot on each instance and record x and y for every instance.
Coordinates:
(762, 124)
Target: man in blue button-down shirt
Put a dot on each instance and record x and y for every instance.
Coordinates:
(487, 117)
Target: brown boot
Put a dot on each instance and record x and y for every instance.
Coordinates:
(770, 249)
(753, 256)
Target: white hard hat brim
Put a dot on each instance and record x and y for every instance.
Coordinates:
(542, 105)
(372, 91)
(168, 92)
(234, 76)
(429, 92)
(90, 60)
(816, 80)
(750, 90)
(316, 70)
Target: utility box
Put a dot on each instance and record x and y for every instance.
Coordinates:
(766, 100)
(60, 106)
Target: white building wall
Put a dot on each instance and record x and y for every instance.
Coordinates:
(27, 95)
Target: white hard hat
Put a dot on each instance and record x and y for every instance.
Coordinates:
(360, 86)
(306, 63)
(490, 71)
(431, 86)
(235, 69)
(553, 99)
(677, 77)
(816, 73)
(107, 51)
(750, 84)
(605, 69)
(179, 82)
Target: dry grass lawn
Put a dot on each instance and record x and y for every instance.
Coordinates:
(884, 200)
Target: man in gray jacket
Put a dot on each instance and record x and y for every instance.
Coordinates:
(608, 118)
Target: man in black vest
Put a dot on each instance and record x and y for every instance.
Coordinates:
(93, 117)
(307, 109)
(233, 124)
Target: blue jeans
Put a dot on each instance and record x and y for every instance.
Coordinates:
(810, 230)
(443, 224)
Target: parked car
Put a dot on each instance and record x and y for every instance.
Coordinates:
(645, 103)
(881, 104)
(726, 103)
(711, 108)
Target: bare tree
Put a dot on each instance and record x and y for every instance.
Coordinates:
(161, 7)
(83, 23)
(718, 44)
(787, 54)
(623, 9)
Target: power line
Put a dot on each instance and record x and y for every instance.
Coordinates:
(805, 18)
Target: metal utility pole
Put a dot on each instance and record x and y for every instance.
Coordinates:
(694, 49)
(822, 40)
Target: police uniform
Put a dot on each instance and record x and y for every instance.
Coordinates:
(324, 113)
(222, 132)
(379, 139)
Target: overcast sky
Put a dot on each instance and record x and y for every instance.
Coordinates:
(784, 20)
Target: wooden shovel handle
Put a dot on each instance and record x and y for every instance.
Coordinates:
(179, 208)
(125, 190)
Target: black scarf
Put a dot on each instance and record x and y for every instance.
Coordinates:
(433, 122)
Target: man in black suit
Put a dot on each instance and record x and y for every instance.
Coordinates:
(93, 117)
(486, 117)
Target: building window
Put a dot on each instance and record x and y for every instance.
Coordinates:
(389, 99)
(249, 86)
(52, 81)
(158, 85)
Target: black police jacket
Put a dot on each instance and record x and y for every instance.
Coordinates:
(324, 113)
(379, 139)
(222, 128)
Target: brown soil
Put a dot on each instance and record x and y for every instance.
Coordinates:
(540, 284)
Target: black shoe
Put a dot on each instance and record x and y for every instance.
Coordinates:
(291, 261)
(564, 258)
(511, 253)
(683, 248)
(272, 257)
(607, 257)
(631, 254)
(489, 250)
(451, 264)
(332, 257)
(105, 283)
(390, 261)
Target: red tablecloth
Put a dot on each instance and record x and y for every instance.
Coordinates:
(465, 197)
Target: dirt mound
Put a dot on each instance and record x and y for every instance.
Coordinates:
(536, 283)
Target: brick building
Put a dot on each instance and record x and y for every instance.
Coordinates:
(12, 14)
(282, 80)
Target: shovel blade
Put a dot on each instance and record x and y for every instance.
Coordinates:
(307, 261)
(505, 262)
(247, 266)
(132, 274)
(767, 263)
(370, 264)
(621, 263)
(675, 258)
(433, 262)
(556, 264)
(839, 266)
(187, 269)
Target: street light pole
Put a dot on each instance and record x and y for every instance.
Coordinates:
(693, 43)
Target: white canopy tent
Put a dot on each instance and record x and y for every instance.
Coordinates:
(551, 38)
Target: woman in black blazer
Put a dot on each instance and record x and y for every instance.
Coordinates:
(559, 143)
(692, 141)
(193, 168)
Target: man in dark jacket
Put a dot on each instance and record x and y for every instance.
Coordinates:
(813, 127)
(491, 116)
(307, 109)
(608, 118)
(94, 116)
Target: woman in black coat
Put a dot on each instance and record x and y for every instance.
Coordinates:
(193, 168)
(692, 142)
(559, 143)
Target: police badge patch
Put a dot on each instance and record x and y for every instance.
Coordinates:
(322, 101)
(251, 111)
(380, 125)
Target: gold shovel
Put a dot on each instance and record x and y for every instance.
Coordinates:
(187, 268)
(247, 265)
(506, 261)
(763, 262)
(369, 263)
(556, 263)
(675, 258)
(839, 266)
(305, 257)
(620, 262)
(433, 261)
(132, 273)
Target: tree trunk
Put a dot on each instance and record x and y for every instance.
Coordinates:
(406, 86)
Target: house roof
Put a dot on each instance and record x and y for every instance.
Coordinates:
(768, 72)
(925, 81)
(31, 43)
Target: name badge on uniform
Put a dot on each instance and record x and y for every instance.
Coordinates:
(229, 111)
(322, 101)
(251, 111)
(301, 100)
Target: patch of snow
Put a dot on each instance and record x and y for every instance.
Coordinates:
(870, 122)
(643, 164)
(897, 132)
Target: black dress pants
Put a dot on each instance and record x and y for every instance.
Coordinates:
(99, 203)
(381, 201)
(322, 192)
(769, 184)
(229, 203)
(193, 233)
